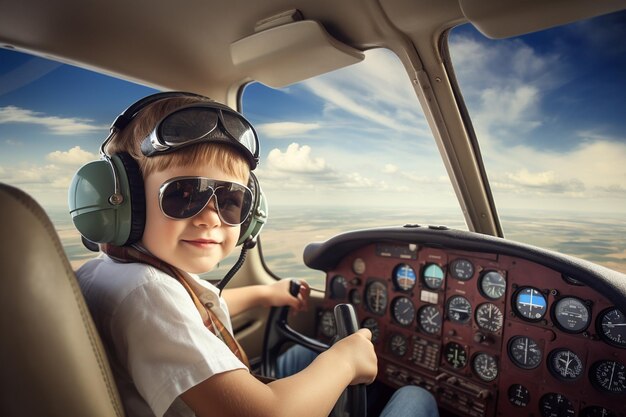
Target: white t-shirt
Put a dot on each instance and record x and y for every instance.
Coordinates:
(157, 343)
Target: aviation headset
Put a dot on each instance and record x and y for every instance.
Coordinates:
(107, 198)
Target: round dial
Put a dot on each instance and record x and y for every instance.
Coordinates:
(492, 285)
(455, 355)
(372, 324)
(485, 366)
(612, 327)
(530, 303)
(398, 344)
(327, 324)
(524, 352)
(519, 395)
(596, 411)
(430, 319)
(571, 314)
(358, 266)
(609, 376)
(461, 269)
(355, 297)
(403, 310)
(338, 287)
(565, 364)
(556, 405)
(489, 317)
(404, 277)
(376, 297)
(459, 309)
(433, 276)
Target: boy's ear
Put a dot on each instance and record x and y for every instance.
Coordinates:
(251, 228)
(93, 214)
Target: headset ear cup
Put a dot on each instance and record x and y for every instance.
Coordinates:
(251, 228)
(137, 195)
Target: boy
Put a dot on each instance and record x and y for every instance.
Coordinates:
(167, 332)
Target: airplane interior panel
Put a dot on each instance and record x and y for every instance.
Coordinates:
(483, 331)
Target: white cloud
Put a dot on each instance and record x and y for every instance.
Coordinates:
(370, 92)
(295, 159)
(57, 125)
(506, 85)
(390, 169)
(286, 129)
(75, 156)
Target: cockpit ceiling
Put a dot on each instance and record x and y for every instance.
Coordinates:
(152, 42)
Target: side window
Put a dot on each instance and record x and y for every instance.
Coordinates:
(53, 118)
(548, 110)
(344, 151)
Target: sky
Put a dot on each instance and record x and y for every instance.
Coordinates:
(548, 110)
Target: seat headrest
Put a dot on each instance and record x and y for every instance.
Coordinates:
(53, 361)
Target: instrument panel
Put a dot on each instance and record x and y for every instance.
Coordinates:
(488, 334)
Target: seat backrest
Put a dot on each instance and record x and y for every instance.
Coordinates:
(52, 362)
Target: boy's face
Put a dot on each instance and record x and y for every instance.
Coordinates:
(195, 244)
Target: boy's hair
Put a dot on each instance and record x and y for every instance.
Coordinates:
(129, 140)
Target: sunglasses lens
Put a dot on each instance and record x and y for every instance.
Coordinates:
(188, 125)
(234, 202)
(184, 198)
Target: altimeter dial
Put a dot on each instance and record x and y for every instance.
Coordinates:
(565, 364)
(489, 317)
(485, 366)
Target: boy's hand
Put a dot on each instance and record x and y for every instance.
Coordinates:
(358, 351)
(279, 295)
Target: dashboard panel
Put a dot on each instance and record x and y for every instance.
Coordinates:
(488, 332)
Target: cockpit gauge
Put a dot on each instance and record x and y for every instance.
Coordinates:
(609, 376)
(489, 317)
(404, 277)
(327, 324)
(430, 319)
(455, 355)
(596, 411)
(403, 311)
(524, 352)
(571, 314)
(433, 276)
(530, 304)
(372, 324)
(556, 405)
(461, 269)
(485, 366)
(459, 309)
(358, 266)
(398, 344)
(612, 327)
(519, 395)
(492, 285)
(565, 364)
(355, 297)
(376, 297)
(338, 287)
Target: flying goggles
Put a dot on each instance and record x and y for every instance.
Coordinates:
(199, 123)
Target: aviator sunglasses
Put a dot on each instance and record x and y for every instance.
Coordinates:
(199, 123)
(184, 197)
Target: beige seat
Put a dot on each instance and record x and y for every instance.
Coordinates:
(52, 362)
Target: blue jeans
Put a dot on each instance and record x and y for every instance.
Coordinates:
(408, 401)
